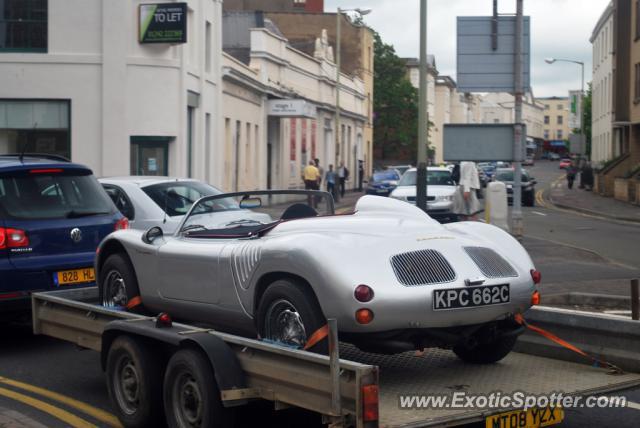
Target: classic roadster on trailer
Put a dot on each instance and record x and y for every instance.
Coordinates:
(395, 279)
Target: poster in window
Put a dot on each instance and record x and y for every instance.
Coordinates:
(163, 23)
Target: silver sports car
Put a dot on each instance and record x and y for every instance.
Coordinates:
(277, 264)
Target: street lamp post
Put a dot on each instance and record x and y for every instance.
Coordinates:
(361, 12)
(581, 64)
(423, 123)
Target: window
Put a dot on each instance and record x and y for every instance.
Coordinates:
(547, 106)
(636, 97)
(190, 124)
(560, 120)
(547, 120)
(559, 134)
(23, 25)
(546, 134)
(150, 155)
(496, 120)
(637, 20)
(207, 48)
(120, 200)
(40, 126)
(560, 107)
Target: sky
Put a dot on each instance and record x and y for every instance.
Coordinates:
(560, 29)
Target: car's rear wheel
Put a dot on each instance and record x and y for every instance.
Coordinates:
(289, 313)
(118, 284)
(486, 353)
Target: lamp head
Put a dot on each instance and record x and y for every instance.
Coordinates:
(549, 60)
(364, 11)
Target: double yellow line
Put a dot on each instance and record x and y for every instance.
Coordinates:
(65, 416)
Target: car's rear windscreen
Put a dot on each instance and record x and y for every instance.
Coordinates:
(64, 194)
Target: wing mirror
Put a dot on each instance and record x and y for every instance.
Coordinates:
(152, 234)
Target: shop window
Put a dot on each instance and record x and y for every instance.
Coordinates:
(23, 25)
(38, 126)
(150, 155)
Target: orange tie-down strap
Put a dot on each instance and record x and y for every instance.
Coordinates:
(596, 362)
(317, 336)
(135, 301)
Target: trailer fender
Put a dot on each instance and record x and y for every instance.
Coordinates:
(226, 368)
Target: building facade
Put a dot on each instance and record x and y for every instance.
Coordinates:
(91, 90)
(314, 6)
(603, 148)
(555, 119)
(500, 108)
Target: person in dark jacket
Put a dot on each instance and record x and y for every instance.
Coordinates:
(571, 175)
(587, 176)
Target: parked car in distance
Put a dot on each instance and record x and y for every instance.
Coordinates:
(155, 201)
(382, 183)
(528, 185)
(440, 192)
(528, 161)
(53, 215)
(400, 168)
(410, 283)
(488, 169)
(565, 163)
(554, 156)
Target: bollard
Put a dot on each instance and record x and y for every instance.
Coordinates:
(635, 299)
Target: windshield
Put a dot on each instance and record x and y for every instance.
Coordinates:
(508, 176)
(67, 194)
(434, 178)
(247, 214)
(386, 176)
(176, 198)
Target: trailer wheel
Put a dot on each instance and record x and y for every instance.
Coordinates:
(191, 394)
(486, 353)
(289, 313)
(117, 284)
(134, 382)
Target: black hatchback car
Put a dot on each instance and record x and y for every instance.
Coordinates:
(53, 215)
(528, 185)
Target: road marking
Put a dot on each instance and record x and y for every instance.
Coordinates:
(632, 405)
(85, 408)
(537, 213)
(66, 417)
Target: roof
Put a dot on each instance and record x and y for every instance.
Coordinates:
(14, 161)
(608, 13)
(144, 181)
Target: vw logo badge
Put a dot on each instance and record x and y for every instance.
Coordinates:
(76, 235)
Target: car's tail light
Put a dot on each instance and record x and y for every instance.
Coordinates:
(370, 403)
(536, 276)
(13, 238)
(122, 224)
(46, 171)
(12, 295)
(535, 298)
(363, 293)
(364, 316)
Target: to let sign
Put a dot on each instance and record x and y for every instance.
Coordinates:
(163, 23)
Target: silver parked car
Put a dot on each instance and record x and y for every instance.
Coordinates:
(394, 278)
(440, 191)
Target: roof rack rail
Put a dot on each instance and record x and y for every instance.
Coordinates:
(37, 155)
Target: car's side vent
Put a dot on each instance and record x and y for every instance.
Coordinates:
(244, 262)
(490, 263)
(422, 267)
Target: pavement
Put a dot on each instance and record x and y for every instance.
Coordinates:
(588, 202)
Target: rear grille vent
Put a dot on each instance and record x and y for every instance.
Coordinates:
(490, 263)
(422, 267)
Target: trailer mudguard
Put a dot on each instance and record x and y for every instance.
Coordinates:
(226, 368)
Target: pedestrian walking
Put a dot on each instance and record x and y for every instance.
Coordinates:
(465, 201)
(360, 174)
(330, 179)
(587, 176)
(316, 161)
(343, 176)
(571, 175)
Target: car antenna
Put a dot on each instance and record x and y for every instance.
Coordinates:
(24, 146)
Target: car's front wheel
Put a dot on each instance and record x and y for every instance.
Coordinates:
(117, 283)
(289, 313)
(486, 353)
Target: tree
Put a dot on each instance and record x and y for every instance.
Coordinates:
(395, 105)
(586, 119)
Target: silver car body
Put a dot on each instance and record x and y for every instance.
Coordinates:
(219, 281)
(442, 194)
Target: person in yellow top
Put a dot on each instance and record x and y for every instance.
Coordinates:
(311, 176)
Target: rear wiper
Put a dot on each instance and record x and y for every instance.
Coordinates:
(78, 214)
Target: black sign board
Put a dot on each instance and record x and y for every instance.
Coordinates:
(163, 23)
